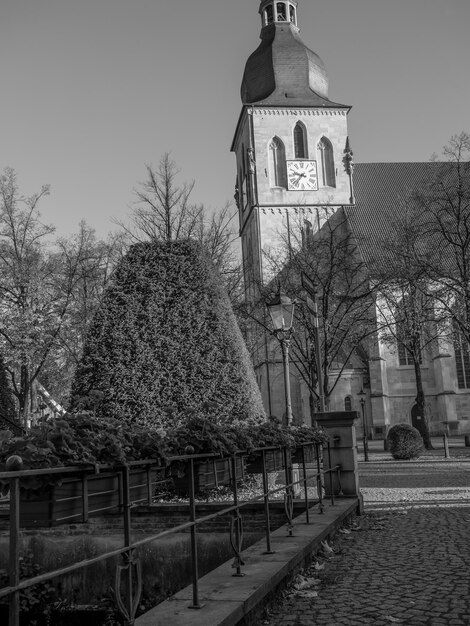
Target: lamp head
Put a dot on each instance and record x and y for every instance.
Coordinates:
(281, 310)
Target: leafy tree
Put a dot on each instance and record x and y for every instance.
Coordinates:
(95, 260)
(37, 283)
(165, 343)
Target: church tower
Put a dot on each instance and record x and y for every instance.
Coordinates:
(289, 142)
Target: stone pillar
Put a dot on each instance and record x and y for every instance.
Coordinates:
(339, 425)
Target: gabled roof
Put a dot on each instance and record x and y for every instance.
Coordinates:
(382, 190)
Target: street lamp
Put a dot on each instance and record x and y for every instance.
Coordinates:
(362, 396)
(281, 310)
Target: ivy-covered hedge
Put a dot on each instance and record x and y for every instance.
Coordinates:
(165, 341)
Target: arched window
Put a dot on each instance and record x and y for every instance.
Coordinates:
(277, 163)
(347, 403)
(292, 14)
(300, 141)
(281, 12)
(269, 15)
(327, 162)
(407, 332)
(462, 359)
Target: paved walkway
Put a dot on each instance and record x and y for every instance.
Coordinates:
(406, 561)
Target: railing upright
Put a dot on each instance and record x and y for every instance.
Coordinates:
(330, 472)
(267, 521)
(149, 484)
(304, 481)
(321, 506)
(289, 495)
(14, 607)
(194, 561)
(236, 527)
(133, 586)
(85, 497)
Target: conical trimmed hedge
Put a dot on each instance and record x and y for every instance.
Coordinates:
(165, 343)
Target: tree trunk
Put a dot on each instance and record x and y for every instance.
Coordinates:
(419, 418)
(23, 396)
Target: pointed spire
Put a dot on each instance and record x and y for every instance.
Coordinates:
(348, 158)
(349, 168)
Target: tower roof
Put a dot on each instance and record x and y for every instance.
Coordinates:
(282, 71)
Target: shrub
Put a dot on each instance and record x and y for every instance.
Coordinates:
(165, 341)
(405, 442)
(76, 440)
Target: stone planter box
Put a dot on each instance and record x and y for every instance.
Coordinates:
(63, 504)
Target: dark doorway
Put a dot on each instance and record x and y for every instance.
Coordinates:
(417, 419)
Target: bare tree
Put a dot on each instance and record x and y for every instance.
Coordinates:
(163, 212)
(409, 320)
(444, 213)
(346, 323)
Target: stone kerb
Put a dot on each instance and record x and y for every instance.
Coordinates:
(343, 451)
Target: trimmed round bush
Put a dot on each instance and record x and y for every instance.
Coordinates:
(405, 442)
(165, 344)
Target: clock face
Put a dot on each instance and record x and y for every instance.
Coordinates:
(302, 175)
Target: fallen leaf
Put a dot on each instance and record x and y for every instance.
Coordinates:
(326, 548)
(395, 620)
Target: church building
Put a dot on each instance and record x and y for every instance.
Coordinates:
(294, 165)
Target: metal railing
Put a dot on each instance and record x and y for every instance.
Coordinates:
(128, 583)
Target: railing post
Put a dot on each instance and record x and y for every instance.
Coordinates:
(289, 495)
(304, 470)
(149, 484)
(330, 475)
(236, 526)
(85, 497)
(266, 504)
(14, 564)
(130, 561)
(319, 480)
(192, 516)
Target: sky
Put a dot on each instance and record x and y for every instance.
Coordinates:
(93, 90)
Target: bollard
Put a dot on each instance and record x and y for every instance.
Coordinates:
(446, 446)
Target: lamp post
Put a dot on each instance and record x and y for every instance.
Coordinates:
(281, 310)
(362, 395)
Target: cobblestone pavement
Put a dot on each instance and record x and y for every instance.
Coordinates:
(406, 561)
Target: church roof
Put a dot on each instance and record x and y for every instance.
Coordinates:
(382, 191)
(282, 71)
